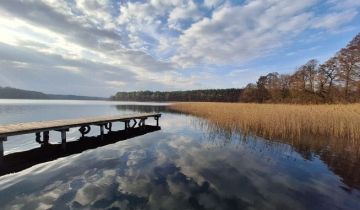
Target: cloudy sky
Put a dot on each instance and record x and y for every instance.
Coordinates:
(98, 47)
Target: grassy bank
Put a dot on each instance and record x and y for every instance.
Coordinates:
(281, 121)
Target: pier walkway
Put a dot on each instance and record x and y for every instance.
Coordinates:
(44, 127)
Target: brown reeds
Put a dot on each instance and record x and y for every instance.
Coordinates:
(330, 131)
(281, 120)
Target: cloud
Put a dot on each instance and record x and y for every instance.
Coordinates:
(212, 3)
(335, 19)
(344, 4)
(157, 44)
(31, 69)
(72, 69)
(237, 72)
(58, 18)
(115, 83)
(183, 12)
(236, 34)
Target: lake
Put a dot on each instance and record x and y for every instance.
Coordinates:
(188, 164)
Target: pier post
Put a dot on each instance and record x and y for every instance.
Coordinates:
(63, 137)
(157, 120)
(46, 138)
(108, 126)
(142, 122)
(102, 132)
(38, 137)
(2, 139)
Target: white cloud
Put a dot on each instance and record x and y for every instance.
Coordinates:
(71, 69)
(183, 12)
(212, 3)
(344, 4)
(237, 72)
(239, 33)
(244, 32)
(335, 19)
(116, 83)
(98, 11)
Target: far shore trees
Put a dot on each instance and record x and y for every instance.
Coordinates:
(336, 80)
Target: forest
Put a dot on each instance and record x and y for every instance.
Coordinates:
(215, 95)
(337, 80)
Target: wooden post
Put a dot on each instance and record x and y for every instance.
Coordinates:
(142, 122)
(108, 126)
(38, 137)
(102, 132)
(127, 124)
(63, 139)
(2, 139)
(46, 137)
(157, 121)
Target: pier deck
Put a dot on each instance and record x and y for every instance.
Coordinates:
(64, 125)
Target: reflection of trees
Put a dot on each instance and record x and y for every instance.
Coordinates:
(145, 108)
(341, 156)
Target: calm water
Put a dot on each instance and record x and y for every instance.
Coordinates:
(186, 165)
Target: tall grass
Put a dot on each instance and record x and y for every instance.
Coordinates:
(281, 121)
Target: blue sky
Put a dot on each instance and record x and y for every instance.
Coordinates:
(99, 47)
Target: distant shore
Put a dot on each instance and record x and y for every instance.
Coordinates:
(14, 93)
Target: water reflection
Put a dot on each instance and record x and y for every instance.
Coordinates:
(175, 172)
(146, 108)
(341, 158)
(186, 165)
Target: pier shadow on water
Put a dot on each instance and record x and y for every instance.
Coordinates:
(19, 161)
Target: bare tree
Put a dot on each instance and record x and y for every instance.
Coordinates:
(348, 71)
(310, 69)
(327, 75)
(285, 85)
(304, 77)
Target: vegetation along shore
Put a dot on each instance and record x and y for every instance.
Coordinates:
(281, 121)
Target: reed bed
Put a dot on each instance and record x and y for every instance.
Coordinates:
(281, 121)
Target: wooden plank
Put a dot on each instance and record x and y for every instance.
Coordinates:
(32, 127)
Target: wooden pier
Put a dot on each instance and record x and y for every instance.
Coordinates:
(63, 126)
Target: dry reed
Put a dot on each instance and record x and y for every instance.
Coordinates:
(282, 120)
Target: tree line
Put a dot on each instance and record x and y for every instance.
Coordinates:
(217, 95)
(335, 81)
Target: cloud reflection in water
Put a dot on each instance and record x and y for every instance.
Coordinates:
(180, 167)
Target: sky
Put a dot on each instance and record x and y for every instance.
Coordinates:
(99, 47)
